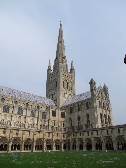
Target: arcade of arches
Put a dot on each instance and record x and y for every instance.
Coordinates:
(16, 144)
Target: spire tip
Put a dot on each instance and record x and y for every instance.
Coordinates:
(60, 24)
(49, 66)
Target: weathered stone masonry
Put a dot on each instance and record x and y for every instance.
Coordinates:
(63, 120)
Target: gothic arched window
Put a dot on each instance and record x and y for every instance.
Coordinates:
(20, 111)
(33, 113)
(105, 118)
(53, 113)
(6, 109)
(103, 105)
(88, 119)
(70, 121)
(67, 85)
(44, 115)
(78, 119)
(63, 124)
(63, 84)
(109, 119)
(62, 114)
(101, 117)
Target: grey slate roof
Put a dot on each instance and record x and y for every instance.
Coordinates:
(80, 97)
(77, 98)
(25, 96)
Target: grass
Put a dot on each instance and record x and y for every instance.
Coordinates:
(114, 159)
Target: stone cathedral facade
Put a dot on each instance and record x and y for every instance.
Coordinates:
(61, 121)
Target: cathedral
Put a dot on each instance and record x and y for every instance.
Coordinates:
(63, 120)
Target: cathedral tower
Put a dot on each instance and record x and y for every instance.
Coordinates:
(60, 84)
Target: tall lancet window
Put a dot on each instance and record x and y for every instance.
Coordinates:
(5, 109)
(20, 111)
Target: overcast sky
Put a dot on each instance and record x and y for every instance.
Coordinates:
(94, 36)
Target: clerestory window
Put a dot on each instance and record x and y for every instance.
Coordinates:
(20, 111)
(53, 113)
(44, 115)
(6, 109)
(62, 114)
(78, 118)
(33, 113)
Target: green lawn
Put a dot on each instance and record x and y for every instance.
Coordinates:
(64, 160)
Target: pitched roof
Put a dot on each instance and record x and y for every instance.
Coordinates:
(5, 91)
(81, 97)
(77, 98)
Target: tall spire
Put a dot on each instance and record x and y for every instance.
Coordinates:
(60, 25)
(60, 84)
(60, 52)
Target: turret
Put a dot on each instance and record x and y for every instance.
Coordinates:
(49, 68)
(105, 89)
(92, 87)
(93, 92)
(72, 70)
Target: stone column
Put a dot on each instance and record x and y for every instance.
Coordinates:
(71, 145)
(93, 144)
(77, 145)
(115, 145)
(44, 146)
(22, 146)
(62, 146)
(33, 146)
(53, 146)
(84, 144)
(103, 145)
(9, 147)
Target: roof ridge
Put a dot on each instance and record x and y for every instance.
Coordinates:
(25, 96)
(20, 91)
(77, 98)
